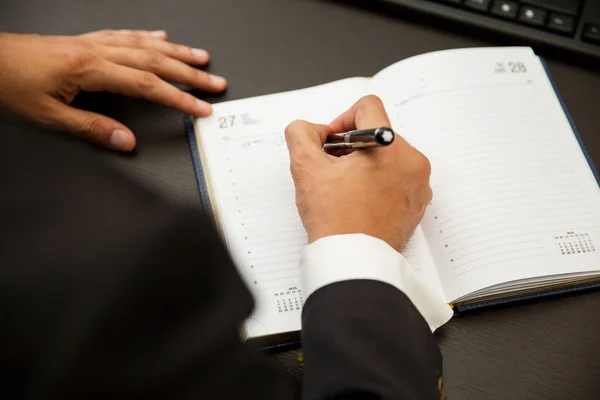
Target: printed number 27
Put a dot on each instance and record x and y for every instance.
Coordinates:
(226, 122)
(517, 67)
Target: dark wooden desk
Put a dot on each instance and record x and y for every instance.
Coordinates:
(544, 350)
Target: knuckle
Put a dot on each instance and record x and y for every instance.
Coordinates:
(137, 41)
(425, 197)
(423, 165)
(182, 98)
(47, 115)
(154, 58)
(106, 32)
(92, 127)
(294, 128)
(372, 99)
(199, 76)
(180, 50)
(147, 81)
(78, 61)
(86, 46)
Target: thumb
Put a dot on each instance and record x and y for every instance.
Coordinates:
(94, 127)
(305, 140)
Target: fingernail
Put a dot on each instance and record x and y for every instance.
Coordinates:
(203, 107)
(218, 81)
(158, 34)
(119, 140)
(201, 54)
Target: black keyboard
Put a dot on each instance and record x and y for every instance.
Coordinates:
(568, 25)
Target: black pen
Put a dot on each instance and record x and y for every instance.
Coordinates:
(360, 139)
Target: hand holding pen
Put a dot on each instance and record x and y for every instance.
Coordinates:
(359, 139)
(382, 193)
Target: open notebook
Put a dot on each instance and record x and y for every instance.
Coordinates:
(516, 206)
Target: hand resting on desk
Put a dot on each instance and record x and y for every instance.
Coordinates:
(41, 75)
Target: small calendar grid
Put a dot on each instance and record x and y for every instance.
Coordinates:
(289, 300)
(575, 243)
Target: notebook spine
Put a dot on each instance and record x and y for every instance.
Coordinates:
(200, 180)
(279, 346)
(584, 149)
(579, 288)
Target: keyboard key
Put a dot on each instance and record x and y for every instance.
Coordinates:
(480, 5)
(570, 7)
(591, 33)
(561, 23)
(532, 16)
(505, 9)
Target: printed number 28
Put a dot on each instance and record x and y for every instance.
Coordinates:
(226, 122)
(517, 67)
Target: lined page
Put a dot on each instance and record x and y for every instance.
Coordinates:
(514, 197)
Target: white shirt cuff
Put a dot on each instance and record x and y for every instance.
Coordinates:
(358, 256)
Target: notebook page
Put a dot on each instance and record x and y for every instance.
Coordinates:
(248, 163)
(514, 197)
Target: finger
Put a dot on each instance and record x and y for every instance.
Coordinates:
(93, 127)
(341, 152)
(161, 35)
(109, 77)
(164, 66)
(305, 141)
(368, 112)
(179, 52)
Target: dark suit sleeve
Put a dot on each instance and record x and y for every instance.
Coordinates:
(108, 292)
(365, 339)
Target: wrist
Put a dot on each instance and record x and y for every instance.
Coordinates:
(394, 236)
(347, 257)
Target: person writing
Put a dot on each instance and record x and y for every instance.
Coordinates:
(106, 289)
